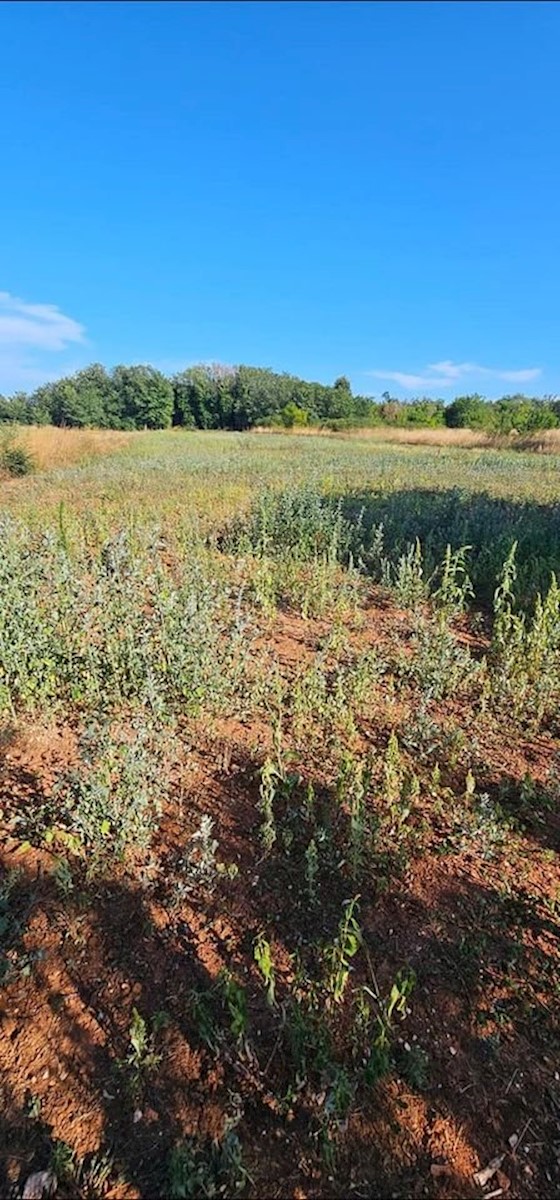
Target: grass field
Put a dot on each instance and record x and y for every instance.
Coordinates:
(49, 447)
(280, 745)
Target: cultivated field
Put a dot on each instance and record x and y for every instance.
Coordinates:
(280, 746)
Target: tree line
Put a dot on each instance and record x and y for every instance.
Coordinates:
(222, 397)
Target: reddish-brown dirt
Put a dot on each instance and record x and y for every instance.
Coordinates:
(480, 933)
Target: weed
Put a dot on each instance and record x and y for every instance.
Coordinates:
(15, 960)
(63, 876)
(235, 998)
(312, 870)
(142, 1058)
(392, 770)
(263, 958)
(205, 1170)
(15, 459)
(342, 951)
(413, 1065)
(207, 1028)
(268, 791)
(111, 803)
(407, 579)
(525, 653)
(201, 865)
(440, 665)
(454, 590)
(379, 1059)
(353, 783)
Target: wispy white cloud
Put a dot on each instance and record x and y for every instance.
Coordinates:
(446, 374)
(33, 337)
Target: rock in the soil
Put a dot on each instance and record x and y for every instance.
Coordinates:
(483, 1177)
(40, 1185)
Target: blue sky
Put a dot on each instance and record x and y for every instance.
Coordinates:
(323, 188)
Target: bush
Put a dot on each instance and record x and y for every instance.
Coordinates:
(16, 460)
(292, 415)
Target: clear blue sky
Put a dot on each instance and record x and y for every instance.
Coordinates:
(322, 188)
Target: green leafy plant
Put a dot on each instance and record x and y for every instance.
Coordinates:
(201, 866)
(235, 998)
(454, 591)
(342, 951)
(263, 958)
(413, 1065)
(268, 790)
(312, 870)
(407, 579)
(204, 1170)
(379, 1058)
(142, 1057)
(16, 460)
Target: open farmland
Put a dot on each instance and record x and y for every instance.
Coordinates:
(280, 749)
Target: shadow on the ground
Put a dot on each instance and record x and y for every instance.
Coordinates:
(486, 978)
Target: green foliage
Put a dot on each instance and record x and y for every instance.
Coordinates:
(341, 952)
(205, 1170)
(235, 998)
(292, 415)
(312, 870)
(201, 867)
(270, 776)
(525, 650)
(352, 787)
(218, 396)
(142, 1058)
(413, 1065)
(440, 665)
(10, 928)
(15, 460)
(299, 521)
(112, 626)
(110, 804)
(407, 581)
(454, 589)
(144, 397)
(469, 412)
(84, 1177)
(263, 958)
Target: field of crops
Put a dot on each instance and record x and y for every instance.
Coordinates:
(280, 772)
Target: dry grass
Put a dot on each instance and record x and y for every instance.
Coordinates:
(545, 441)
(425, 437)
(52, 447)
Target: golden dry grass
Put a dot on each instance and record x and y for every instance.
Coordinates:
(424, 437)
(52, 447)
(545, 441)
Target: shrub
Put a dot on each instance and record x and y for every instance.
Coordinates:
(16, 460)
(292, 415)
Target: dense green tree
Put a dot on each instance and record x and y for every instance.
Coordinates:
(340, 404)
(61, 400)
(423, 412)
(469, 412)
(20, 410)
(144, 397)
(257, 393)
(203, 396)
(523, 414)
(188, 399)
(215, 396)
(98, 398)
(292, 415)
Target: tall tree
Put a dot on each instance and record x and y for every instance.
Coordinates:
(144, 396)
